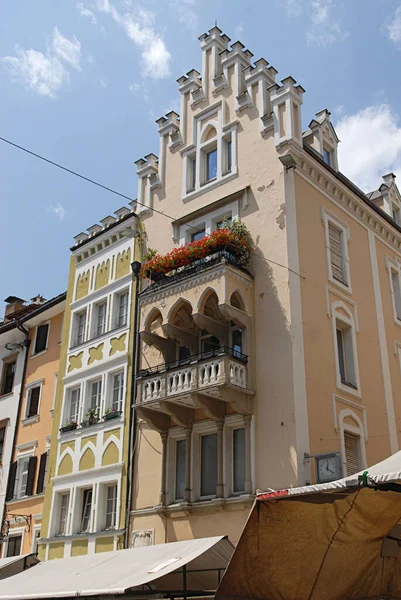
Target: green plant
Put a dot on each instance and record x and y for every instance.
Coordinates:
(71, 423)
(93, 413)
(109, 410)
(151, 253)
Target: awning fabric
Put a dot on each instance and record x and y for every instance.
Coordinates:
(15, 564)
(117, 572)
(333, 541)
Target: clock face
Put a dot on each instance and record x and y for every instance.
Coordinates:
(327, 468)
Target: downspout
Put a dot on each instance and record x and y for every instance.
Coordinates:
(27, 343)
(135, 266)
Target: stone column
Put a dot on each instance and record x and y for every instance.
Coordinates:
(248, 468)
(188, 439)
(220, 486)
(164, 437)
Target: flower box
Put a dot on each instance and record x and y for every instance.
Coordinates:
(90, 421)
(112, 415)
(69, 427)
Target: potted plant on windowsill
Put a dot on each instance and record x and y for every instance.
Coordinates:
(92, 417)
(111, 413)
(69, 426)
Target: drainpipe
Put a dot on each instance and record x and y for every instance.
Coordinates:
(135, 266)
(27, 343)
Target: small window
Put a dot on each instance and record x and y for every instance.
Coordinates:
(180, 466)
(80, 327)
(95, 394)
(100, 327)
(62, 524)
(2, 438)
(229, 162)
(239, 460)
(211, 165)
(86, 510)
(395, 281)
(111, 506)
(73, 407)
(118, 390)
(352, 443)
(396, 215)
(337, 261)
(236, 340)
(198, 235)
(8, 377)
(208, 465)
(41, 338)
(14, 545)
(191, 174)
(32, 405)
(345, 354)
(327, 156)
(122, 307)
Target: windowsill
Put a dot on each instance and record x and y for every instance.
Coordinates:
(24, 498)
(352, 391)
(349, 384)
(342, 286)
(92, 428)
(99, 337)
(210, 185)
(89, 534)
(6, 395)
(39, 353)
(209, 181)
(184, 506)
(30, 420)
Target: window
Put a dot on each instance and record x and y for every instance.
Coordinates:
(191, 174)
(2, 437)
(198, 235)
(211, 165)
(224, 222)
(122, 304)
(86, 510)
(396, 214)
(40, 485)
(327, 156)
(22, 477)
(239, 460)
(32, 403)
(111, 506)
(236, 340)
(180, 466)
(336, 242)
(36, 536)
(351, 444)
(73, 405)
(118, 389)
(41, 338)
(62, 523)
(395, 282)
(184, 353)
(14, 545)
(208, 464)
(100, 326)
(95, 394)
(8, 377)
(229, 161)
(345, 354)
(80, 326)
(209, 343)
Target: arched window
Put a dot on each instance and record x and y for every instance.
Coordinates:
(353, 449)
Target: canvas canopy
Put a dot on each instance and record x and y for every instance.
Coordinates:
(15, 564)
(335, 541)
(193, 564)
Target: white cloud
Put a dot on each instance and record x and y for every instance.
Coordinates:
(139, 27)
(324, 29)
(59, 210)
(103, 84)
(186, 13)
(293, 8)
(394, 28)
(45, 73)
(371, 145)
(67, 50)
(136, 88)
(85, 12)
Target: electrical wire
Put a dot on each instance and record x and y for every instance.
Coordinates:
(112, 191)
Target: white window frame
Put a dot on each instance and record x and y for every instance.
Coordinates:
(116, 311)
(28, 389)
(106, 488)
(66, 408)
(82, 491)
(175, 434)
(330, 219)
(208, 221)
(14, 532)
(33, 354)
(200, 429)
(56, 510)
(349, 322)
(232, 422)
(357, 431)
(110, 390)
(95, 316)
(35, 538)
(394, 269)
(18, 480)
(74, 329)
(396, 213)
(88, 388)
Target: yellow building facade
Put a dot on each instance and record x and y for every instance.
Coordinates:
(280, 374)
(86, 496)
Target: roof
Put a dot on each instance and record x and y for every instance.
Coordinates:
(109, 573)
(29, 312)
(103, 230)
(15, 564)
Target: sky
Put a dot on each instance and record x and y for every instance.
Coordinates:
(82, 83)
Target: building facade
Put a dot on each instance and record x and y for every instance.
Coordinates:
(282, 373)
(28, 471)
(86, 495)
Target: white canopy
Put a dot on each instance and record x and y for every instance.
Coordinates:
(15, 564)
(117, 572)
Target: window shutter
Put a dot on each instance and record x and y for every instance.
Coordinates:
(31, 475)
(40, 486)
(336, 254)
(11, 481)
(351, 453)
(34, 402)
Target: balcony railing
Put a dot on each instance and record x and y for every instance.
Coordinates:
(218, 367)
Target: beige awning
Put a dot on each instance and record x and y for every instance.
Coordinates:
(15, 564)
(158, 568)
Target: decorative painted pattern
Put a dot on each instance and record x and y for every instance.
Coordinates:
(123, 263)
(75, 361)
(117, 344)
(82, 287)
(102, 275)
(95, 353)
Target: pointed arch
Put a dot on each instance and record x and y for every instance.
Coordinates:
(154, 315)
(206, 296)
(66, 462)
(209, 131)
(237, 300)
(184, 309)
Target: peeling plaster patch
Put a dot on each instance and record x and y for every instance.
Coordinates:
(261, 188)
(280, 220)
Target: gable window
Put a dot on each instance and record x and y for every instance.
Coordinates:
(211, 164)
(238, 460)
(86, 510)
(73, 405)
(42, 333)
(100, 325)
(2, 438)
(208, 465)
(122, 309)
(80, 327)
(32, 404)
(14, 545)
(327, 156)
(111, 506)
(8, 377)
(62, 523)
(118, 389)
(180, 467)
(336, 240)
